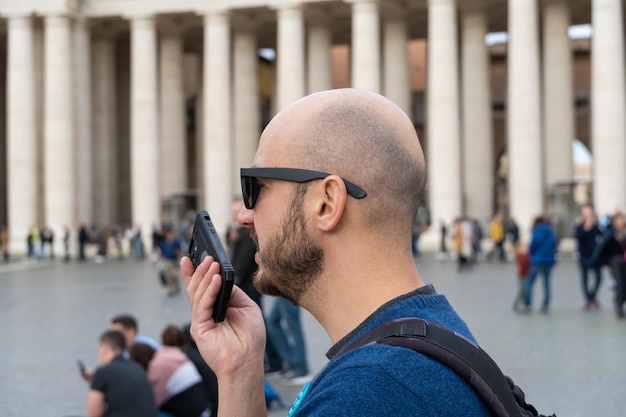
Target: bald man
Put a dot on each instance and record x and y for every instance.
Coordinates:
(331, 199)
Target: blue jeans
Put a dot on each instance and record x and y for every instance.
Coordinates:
(285, 332)
(590, 292)
(535, 269)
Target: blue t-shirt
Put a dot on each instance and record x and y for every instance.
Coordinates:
(139, 338)
(170, 250)
(382, 380)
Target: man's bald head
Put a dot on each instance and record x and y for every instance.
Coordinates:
(360, 136)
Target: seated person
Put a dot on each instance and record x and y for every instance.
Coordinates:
(176, 383)
(174, 336)
(127, 325)
(119, 387)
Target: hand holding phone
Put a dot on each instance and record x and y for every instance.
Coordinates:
(82, 369)
(206, 242)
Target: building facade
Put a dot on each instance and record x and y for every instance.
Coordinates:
(129, 111)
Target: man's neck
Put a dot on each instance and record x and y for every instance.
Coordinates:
(351, 289)
(110, 356)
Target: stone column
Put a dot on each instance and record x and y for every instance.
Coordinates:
(290, 55)
(524, 116)
(173, 148)
(246, 102)
(21, 132)
(104, 158)
(59, 147)
(558, 94)
(396, 83)
(477, 134)
(366, 45)
(217, 122)
(144, 135)
(199, 140)
(608, 111)
(3, 131)
(443, 126)
(82, 123)
(39, 50)
(123, 122)
(319, 62)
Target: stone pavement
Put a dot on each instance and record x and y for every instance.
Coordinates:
(569, 362)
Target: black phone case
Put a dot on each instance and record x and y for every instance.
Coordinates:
(81, 367)
(206, 242)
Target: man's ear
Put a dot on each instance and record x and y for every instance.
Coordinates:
(331, 203)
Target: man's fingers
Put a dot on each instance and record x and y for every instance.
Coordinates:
(238, 298)
(191, 277)
(206, 295)
(202, 289)
(186, 270)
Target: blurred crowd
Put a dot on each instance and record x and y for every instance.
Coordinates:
(97, 241)
(138, 376)
(600, 248)
(169, 378)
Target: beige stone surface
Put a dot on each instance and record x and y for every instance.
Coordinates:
(444, 145)
(106, 162)
(477, 136)
(524, 116)
(608, 119)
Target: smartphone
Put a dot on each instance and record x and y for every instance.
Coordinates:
(206, 242)
(81, 367)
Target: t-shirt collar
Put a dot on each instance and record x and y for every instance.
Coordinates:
(425, 290)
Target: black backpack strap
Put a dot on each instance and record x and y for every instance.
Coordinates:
(458, 353)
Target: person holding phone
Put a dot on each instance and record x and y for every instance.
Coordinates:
(330, 200)
(119, 387)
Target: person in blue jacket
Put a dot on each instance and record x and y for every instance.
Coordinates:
(542, 252)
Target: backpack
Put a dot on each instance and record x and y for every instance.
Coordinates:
(498, 392)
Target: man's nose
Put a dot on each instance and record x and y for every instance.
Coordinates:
(245, 218)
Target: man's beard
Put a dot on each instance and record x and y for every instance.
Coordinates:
(290, 260)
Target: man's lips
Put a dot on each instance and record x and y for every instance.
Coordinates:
(255, 239)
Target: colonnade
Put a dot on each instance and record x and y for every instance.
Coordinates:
(77, 99)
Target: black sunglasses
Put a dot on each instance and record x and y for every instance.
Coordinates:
(250, 187)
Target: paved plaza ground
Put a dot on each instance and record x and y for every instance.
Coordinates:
(569, 362)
